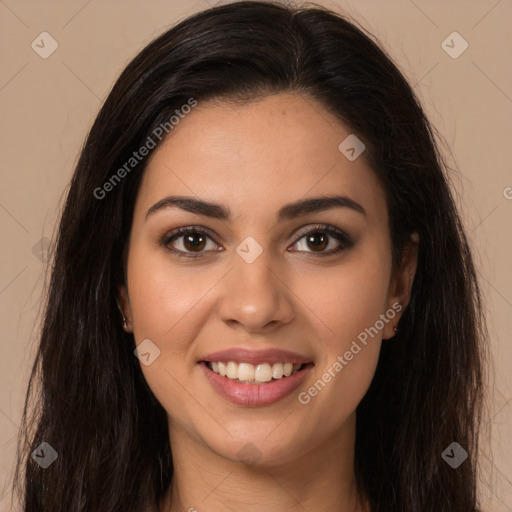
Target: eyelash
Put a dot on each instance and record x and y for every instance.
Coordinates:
(342, 237)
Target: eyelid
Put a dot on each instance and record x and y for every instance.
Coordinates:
(311, 228)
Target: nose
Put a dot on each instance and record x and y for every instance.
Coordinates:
(255, 296)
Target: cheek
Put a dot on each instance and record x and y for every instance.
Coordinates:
(165, 296)
(348, 298)
(166, 303)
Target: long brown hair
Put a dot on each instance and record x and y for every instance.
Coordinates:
(93, 405)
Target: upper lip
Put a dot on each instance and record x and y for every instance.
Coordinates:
(243, 355)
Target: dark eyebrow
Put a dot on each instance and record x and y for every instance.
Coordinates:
(287, 212)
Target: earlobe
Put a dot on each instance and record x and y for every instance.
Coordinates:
(402, 282)
(123, 305)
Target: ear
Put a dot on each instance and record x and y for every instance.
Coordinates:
(401, 283)
(123, 301)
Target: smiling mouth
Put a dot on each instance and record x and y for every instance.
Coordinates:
(246, 373)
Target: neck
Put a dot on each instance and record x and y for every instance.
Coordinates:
(321, 478)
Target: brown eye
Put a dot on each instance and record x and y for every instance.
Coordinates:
(318, 239)
(194, 241)
(188, 242)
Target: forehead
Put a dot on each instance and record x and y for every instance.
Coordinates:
(257, 156)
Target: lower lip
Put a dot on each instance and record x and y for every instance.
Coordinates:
(253, 395)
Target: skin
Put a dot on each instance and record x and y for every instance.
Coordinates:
(255, 158)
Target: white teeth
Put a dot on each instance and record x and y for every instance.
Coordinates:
(277, 370)
(263, 373)
(222, 368)
(246, 372)
(232, 370)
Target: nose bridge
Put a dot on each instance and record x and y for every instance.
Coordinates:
(255, 294)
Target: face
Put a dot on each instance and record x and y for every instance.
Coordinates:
(268, 284)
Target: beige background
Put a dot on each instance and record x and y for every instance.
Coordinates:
(48, 105)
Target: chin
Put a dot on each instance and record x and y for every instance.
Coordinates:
(255, 449)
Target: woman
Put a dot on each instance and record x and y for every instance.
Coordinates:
(262, 296)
